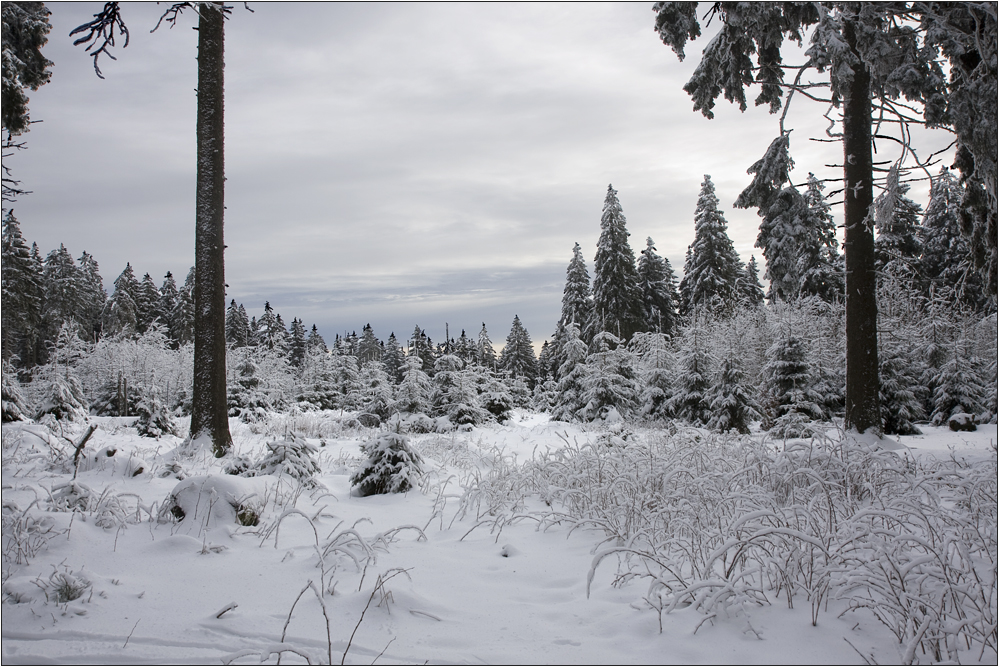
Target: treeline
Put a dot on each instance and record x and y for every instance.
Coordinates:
(713, 349)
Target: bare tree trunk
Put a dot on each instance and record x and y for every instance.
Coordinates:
(209, 414)
(863, 410)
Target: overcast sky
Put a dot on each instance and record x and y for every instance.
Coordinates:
(397, 164)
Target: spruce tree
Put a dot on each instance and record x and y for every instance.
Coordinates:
(413, 393)
(617, 297)
(790, 387)
(900, 407)
(655, 283)
(822, 269)
(315, 341)
(393, 359)
(572, 376)
(270, 334)
(712, 266)
(748, 286)
(946, 259)
(731, 400)
(376, 389)
(168, 304)
(22, 295)
(147, 297)
(121, 314)
(485, 353)
(577, 302)
(517, 357)
(94, 297)
(897, 244)
(63, 294)
(369, 348)
(297, 343)
(610, 383)
(237, 328)
(690, 400)
(421, 346)
(182, 323)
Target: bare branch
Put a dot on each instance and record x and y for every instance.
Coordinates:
(102, 27)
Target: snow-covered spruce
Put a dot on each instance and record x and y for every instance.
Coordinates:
(293, 456)
(392, 466)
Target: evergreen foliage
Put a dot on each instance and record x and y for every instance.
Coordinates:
(517, 357)
(577, 302)
(712, 266)
(393, 359)
(413, 393)
(485, 353)
(748, 286)
(392, 466)
(690, 401)
(731, 401)
(611, 382)
(154, 418)
(900, 407)
(22, 294)
(376, 389)
(572, 376)
(792, 398)
(369, 348)
(14, 407)
(296, 343)
(293, 456)
(659, 293)
(182, 323)
(237, 327)
(617, 298)
(25, 31)
(147, 298)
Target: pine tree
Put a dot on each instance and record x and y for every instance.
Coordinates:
(14, 407)
(577, 302)
(956, 386)
(282, 336)
(712, 267)
(369, 348)
(656, 372)
(421, 346)
(655, 280)
(22, 295)
(464, 349)
(617, 298)
(297, 344)
(748, 285)
(485, 354)
(731, 401)
(517, 357)
(346, 380)
(121, 314)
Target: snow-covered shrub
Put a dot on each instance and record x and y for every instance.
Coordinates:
(117, 398)
(212, 501)
(15, 408)
(24, 533)
(246, 396)
(108, 509)
(63, 587)
(293, 456)
(65, 400)
(392, 466)
(107, 458)
(154, 418)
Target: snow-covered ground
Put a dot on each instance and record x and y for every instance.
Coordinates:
(470, 577)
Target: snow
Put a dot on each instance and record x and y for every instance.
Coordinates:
(459, 587)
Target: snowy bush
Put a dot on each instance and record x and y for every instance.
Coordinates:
(154, 418)
(294, 456)
(391, 467)
(65, 400)
(208, 502)
(24, 533)
(15, 408)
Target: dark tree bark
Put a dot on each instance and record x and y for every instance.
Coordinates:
(209, 412)
(863, 410)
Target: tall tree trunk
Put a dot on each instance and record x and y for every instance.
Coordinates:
(863, 410)
(209, 414)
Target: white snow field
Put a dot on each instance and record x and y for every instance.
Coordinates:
(530, 542)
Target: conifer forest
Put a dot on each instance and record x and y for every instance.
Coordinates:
(789, 458)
